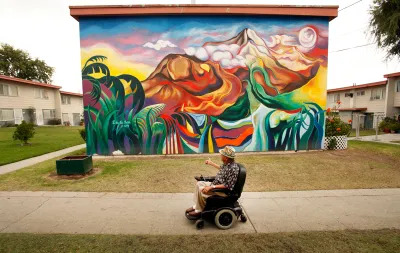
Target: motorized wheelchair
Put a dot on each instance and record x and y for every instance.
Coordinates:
(224, 211)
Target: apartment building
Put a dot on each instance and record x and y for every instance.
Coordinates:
(36, 102)
(368, 102)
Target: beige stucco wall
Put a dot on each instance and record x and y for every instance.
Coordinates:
(76, 106)
(26, 99)
(360, 101)
(392, 89)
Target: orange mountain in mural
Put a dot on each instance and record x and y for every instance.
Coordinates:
(186, 83)
(207, 80)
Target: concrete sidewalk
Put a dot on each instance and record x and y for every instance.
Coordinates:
(384, 138)
(163, 213)
(38, 159)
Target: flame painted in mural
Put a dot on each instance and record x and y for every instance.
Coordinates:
(167, 85)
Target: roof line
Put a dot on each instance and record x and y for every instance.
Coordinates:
(360, 86)
(20, 80)
(330, 11)
(71, 93)
(392, 75)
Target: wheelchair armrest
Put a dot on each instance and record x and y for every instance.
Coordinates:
(202, 178)
(226, 191)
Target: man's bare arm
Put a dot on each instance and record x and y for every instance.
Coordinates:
(209, 162)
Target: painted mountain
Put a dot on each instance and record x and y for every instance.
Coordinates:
(250, 91)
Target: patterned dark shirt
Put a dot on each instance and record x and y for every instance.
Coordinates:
(227, 175)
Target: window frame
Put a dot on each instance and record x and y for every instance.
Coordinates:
(7, 87)
(1, 114)
(381, 95)
(52, 113)
(40, 93)
(65, 100)
(336, 97)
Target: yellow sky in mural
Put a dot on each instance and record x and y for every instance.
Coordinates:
(116, 62)
(315, 89)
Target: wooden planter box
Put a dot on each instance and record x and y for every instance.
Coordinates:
(72, 165)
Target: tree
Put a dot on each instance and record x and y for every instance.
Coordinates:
(24, 132)
(18, 63)
(385, 25)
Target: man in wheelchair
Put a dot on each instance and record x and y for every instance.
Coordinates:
(217, 196)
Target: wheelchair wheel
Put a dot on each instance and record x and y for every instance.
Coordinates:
(243, 218)
(199, 224)
(224, 218)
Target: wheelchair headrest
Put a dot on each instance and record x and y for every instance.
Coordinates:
(238, 188)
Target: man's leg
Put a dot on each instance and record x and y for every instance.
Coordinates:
(199, 198)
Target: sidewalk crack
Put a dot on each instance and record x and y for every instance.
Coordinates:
(1, 231)
(248, 218)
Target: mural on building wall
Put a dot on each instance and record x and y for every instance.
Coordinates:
(193, 84)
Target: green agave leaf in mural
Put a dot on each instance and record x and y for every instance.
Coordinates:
(94, 58)
(142, 123)
(280, 101)
(137, 91)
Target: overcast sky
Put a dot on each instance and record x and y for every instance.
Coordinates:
(45, 30)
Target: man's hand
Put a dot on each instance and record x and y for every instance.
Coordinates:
(207, 190)
(209, 162)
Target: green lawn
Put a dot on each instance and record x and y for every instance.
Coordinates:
(376, 241)
(365, 132)
(363, 165)
(46, 139)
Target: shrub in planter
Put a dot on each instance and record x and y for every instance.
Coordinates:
(388, 125)
(336, 131)
(24, 132)
(332, 144)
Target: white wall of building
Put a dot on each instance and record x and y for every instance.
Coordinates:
(39, 98)
(70, 111)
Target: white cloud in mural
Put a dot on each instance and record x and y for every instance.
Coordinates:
(226, 55)
(159, 44)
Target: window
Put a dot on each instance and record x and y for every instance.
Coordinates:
(41, 93)
(336, 97)
(65, 117)
(8, 90)
(49, 114)
(361, 93)
(377, 94)
(348, 94)
(6, 115)
(66, 100)
(398, 86)
(4, 89)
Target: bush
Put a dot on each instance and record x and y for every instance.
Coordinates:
(82, 132)
(9, 124)
(332, 144)
(389, 124)
(334, 126)
(24, 132)
(54, 121)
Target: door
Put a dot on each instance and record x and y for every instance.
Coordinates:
(76, 117)
(29, 115)
(65, 118)
(369, 121)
